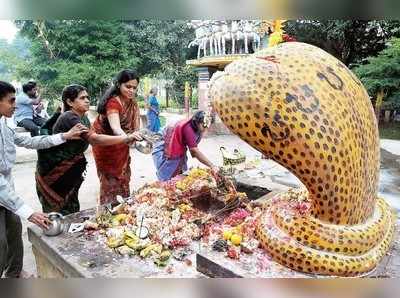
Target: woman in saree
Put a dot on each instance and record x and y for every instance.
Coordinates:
(118, 115)
(169, 155)
(153, 112)
(60, 170)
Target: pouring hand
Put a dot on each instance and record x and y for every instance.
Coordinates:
(40, 219)
(215, 170)
(137, 135)
(132, 138)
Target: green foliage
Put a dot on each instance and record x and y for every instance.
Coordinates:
(141, 103)
(392, 102)
(82, 52)
(163, 120)
(180, 75)
(383, 73)
(351, 41)
(390, 130)
(164, 51)
(194, 101)
(12, 57)
(92, 52)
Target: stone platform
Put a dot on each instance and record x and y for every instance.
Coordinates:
(75, 255)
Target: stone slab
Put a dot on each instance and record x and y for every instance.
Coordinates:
(71, 255)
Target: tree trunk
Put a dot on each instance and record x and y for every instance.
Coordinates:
(387, 116)
(378, 104)
(41, 28)
(166, 97)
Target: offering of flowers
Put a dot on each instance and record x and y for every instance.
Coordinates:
(160, 219)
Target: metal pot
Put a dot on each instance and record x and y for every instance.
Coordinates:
(57, 224)
(149, 139)
(144, 146)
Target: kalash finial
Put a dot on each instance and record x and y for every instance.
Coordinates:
(277, 36)
(274, 31)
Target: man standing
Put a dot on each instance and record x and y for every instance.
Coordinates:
(25, 115)
(11, 206)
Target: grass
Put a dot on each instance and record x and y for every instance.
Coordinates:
(390, 131)
(162, 121)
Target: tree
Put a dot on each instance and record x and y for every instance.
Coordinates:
(12, 56)
(76, 51)
(92, 52)
(164, 50)
(381, 76)
(351, 41)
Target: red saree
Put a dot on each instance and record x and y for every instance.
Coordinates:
(113, 162)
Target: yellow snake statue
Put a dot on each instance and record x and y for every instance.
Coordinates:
(306, 110)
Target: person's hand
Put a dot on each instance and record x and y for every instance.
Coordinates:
(133, 137)
(215, 170)
(40, 219)
(130, 139)
(39, 107)
(75, 132)
(137, 136)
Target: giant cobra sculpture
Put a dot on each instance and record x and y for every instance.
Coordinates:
(307, 111)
